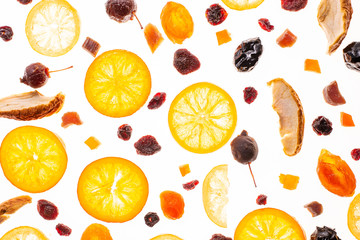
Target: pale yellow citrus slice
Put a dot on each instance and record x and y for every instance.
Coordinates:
(242, 4)
(33, 158)
(215, 190)
(24, 233)
(117, 83)
(353, 217)
(52, 27)
(166, 237)
(202, 118)
(268, 223)
(112, 189)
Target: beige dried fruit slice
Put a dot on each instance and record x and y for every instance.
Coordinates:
(12, 205)
(288, 106)
(334, 18)
(30, 106)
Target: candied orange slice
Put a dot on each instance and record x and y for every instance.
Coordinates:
(117, 83)
(166, 237)
(202, 118)
(24, 233)
(242, 4)
(52, 27)
(33, 158)
(112, 189)
(268, 223)
(353, 217)
(96, 232)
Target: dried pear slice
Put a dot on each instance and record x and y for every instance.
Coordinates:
(30, 106)
(12, 205)
(288, 106)
(334, 18)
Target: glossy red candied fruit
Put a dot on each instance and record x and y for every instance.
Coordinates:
(185, 62)
(219, 236)
(250, 94)
(355, 154)
(24, 2)
(47, 209)
(147, 145)
(6, 33)
(216, 14)
(265, 24)
(190, 185)
(63, 230)
(124, 132)
(293, 5)
(157, 100)
(261, 199)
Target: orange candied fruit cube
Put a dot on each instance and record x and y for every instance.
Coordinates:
(92, 143)
(346, 120)
(184, 169)
(223, 37)
(153, 37)
(286, 39)
(288, 181)
(70, 118)
(312, 65)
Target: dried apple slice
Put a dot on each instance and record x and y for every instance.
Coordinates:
(30, 106)
(288, 106)
(334, 18)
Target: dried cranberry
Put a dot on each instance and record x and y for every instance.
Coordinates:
(219, 237)
(265, 24)
(124, 132)
(293, 5)
(24, 1)
(261, 199)
(6, 33)
(322, 126)
(157, 100)
(147, 145)
(63, 230)
(151, 218)
(247, 54)
(250, 94)
(185, 62)
(47, 209)
(190, 185)
(216, 14)
(355, 154)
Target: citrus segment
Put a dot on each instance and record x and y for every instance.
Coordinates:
(117, 83)
(33, 158)
(353, 217)
(268, 223)
(202, 118)
(242, 4)
(166, 237)
(52, 27)
(24, 233)
(215, 190)
(112, 189)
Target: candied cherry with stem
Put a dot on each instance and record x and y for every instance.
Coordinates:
(6, 33)
(122, 10)
(216, 14)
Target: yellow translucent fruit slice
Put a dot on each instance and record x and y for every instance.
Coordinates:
(268, 223)
(33, 158)
(215, 190)
(117, 83)
(112, 189)
(242, 4)
(24, 233)
(353, 217)
(166, 237)
(202, 118)
(52, 27)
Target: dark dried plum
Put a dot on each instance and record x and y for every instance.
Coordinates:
(216, 14)
(293, 5)
(324, 233)
(6, 33)
(185, 62)
(247, 54)
(352, 56)
(147, 145)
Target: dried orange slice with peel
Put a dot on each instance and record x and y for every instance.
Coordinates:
(52, 27)
(117, 83)
(112, 189)
(353, 217)
(33, 158)
(268, 223)
(242, 4)
(24, 233)
(202, 118)
(166, 237)
(215, 190)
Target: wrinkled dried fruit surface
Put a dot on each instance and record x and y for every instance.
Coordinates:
(289, 181)
(151, 218)
(223, 37)
(172, 204)
(36, 75)
(47, 209)
(153, 37)
(351, 56)
(332, 94)
(216, 14)
(324, 233)
(247, 54)
(261, 199)
(6, 33)
(190, 185)
(219, 236)
(264, 23)
(250, 94)
(335, 175)
(158, 100)
(70, 118)
(147, 145)
(322, 126)
(314, 208)
(91, 46)
(286, 39)
(185, 62)
(96, 232)
(121, 10)
(355, 154)
(24, 2)
(124, 132)
(293, 5)
(63, 230)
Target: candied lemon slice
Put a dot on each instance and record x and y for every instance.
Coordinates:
(52, 27)
(353, 217)
(117, 83)
(24, 233)
(242, 4)
(166, 237)
(268, 223)
(202, 118)
(33, 158)
(112, 189)
(215, 190)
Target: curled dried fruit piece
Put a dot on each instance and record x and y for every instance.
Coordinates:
(286, 39)
(47, 209)
(91, 46)
(172, 204)
(153, 37)
(147, 145)
(351, 56)
(70, 118)
(247, 54)
(314, 208)
(324, 233)
(293, 5)
(12, 205)
(332, 94)
(185, 62)
(216, 14)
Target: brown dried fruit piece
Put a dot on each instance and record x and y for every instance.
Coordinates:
(334, 18)
(286, 39)
(30, 106)
(91, 46)
(12, 205)
(153, 37)
(332, 94)
(314, 208)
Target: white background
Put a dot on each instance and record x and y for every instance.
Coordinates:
(161, 169)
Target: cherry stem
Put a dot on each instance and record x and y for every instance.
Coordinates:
(138, 20)
(252, 175)
(61, 69)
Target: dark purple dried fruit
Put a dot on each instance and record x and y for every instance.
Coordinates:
(265, 24)
(147, 145)
(324, 233)
(216, 14)
(293, 5)
(322, 126)
(91, 46)
(190, 185)
(157, 100)
(63, 230)
(151, 218)
(261, 199)
(355, 154)
(247, 54)
(24, 2)
(185, 62)
(314, 208)
(47, 209)
(6, 33)
(121, 10)
(124, 132)
(351, 56)
(250, 94)
(36, 75)
(219, 237)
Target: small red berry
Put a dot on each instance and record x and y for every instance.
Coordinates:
(190, 185)
(157, 100)
(355, 154)
(265, 24)
(250, 94)
(47, 209)
(216, 14)
(63, 230)
(261, 199)
(124, 132)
